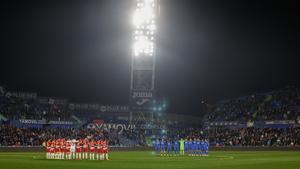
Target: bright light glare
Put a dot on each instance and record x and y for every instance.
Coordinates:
(144, 23)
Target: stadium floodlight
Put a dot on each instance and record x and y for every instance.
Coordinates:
(144, 28)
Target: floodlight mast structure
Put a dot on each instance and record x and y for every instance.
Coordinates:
(142, 87)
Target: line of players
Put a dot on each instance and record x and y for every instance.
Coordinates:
(190, 147)
(63, 149)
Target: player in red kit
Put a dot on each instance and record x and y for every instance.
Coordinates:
(105, 149)
(68, 150)
(57, 148)
(81, 149)
(78, 150)
(85, 149)
(99, 150)
(52, 149)
(62, 149)
(92, 150)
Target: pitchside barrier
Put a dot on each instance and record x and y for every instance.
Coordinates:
(42, 149)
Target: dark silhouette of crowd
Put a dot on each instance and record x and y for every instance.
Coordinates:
(276, 105)
(14, 136)
(15, 108)
(219, 136)
(255, 136)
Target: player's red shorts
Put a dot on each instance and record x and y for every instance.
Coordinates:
(92, 150)
(100, 150)
(48, 149)
(67, 150)
(77, 150)
(105, 151)
(84, 150)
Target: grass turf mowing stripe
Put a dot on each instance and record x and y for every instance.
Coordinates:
(146, 160)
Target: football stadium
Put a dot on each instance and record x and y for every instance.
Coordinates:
(152, 84)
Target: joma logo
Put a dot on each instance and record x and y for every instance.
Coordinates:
(142, 94)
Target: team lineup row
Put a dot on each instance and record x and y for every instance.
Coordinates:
(191, 147)
(77, 149)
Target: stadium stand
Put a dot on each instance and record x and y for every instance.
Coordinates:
(255, 136)
(280, 104)
(262, 119)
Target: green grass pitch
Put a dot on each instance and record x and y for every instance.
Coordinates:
(146, 160)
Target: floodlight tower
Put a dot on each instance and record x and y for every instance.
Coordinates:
(142, 88)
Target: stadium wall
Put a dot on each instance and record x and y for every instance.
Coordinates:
(42, 149)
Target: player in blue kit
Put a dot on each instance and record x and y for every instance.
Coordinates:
(194, 147)
(206, 147)
(169, 148)
(202, 147)
(186, 147)
(198, 147)
(190, 152)
(176, 147)
(162, 148)
(157, 146)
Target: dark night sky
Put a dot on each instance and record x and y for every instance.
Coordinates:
(213, 49)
